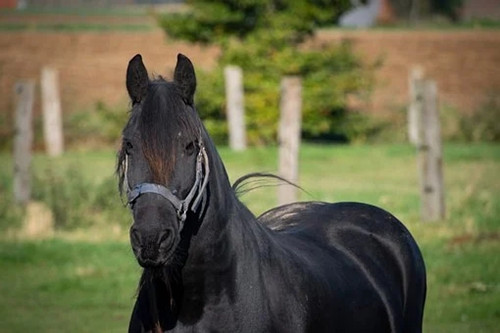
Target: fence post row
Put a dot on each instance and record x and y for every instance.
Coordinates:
(425, 134)
(235, 107)
(51, 106)
(289, 136)
(24, 96)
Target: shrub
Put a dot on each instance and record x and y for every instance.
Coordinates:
(6, 132)
(75, 201)
(329, 76)
(215, 21)
(100, 125)
(10, 212)
(210, 103)
(483, 124)
(66, 193)
(480, 126)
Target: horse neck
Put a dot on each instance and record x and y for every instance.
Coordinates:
(227, 224)
(218, 252)
(223, 205)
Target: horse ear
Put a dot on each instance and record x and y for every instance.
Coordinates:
(137, 79)
(185, 78)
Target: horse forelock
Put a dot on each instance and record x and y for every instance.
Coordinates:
(163, 119)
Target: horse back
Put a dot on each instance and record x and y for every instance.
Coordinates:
(368, 247)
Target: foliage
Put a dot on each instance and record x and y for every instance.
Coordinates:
(448, 8)
(91, 204)
(210, 103)
(78, 194)
(100, 125)
(268, 41)
(6, 131)
(58, 189)
(10, 212)
(97, 126)
(483, 124)
(215, 21)
(479, 126)
(329, 76)
(426, 8)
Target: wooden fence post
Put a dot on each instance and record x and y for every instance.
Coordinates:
(415, 83)
(289, 136)
(51, 106)
(235, 107)
(430, 159)
(23, 141)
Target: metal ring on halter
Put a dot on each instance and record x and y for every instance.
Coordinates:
(190, 202)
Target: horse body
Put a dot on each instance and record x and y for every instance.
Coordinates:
(367, 253)
(304, 267)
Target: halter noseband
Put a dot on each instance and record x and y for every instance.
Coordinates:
(190, 202)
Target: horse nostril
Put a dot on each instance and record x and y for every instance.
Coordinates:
(165, 237)
(135, 236)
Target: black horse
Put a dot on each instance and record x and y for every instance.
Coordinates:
(211, 266)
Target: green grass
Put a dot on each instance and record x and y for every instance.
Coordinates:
(70, 282)
(60, 286)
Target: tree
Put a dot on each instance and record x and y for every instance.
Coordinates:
(449, 8)
(218, 20)
(266, 39)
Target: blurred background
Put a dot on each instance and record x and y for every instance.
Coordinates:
(64, 254)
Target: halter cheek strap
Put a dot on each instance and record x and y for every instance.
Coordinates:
(190, 202)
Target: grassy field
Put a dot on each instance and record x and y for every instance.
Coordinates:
(84, 278)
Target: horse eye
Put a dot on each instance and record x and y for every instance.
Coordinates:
(128, 147)
(190, 148)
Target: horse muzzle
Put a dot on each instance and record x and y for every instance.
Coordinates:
(152, 247)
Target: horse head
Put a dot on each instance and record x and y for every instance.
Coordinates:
(163, 164)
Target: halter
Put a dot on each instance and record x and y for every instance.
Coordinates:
(190, 202)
